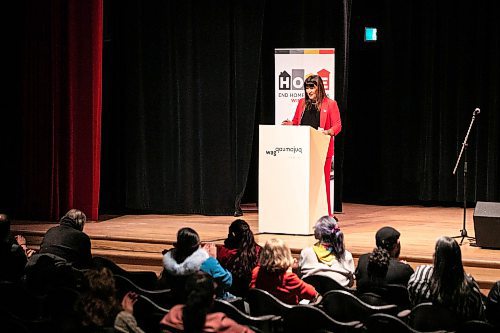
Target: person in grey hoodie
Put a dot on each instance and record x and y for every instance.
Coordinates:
(328, 257)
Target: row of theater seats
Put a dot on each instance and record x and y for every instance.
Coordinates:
(34, 307)
(340, 310)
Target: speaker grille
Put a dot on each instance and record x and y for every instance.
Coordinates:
(487, 209)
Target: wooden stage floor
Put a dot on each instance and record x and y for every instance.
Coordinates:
(136, 241)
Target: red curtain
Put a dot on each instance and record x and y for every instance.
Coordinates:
(61, 108)
(84, 104)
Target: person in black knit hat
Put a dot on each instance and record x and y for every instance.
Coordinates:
(371, 273)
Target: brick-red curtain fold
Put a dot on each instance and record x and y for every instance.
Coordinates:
(85, 95)
(61, 108)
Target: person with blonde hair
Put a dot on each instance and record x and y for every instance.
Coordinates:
(274, 274)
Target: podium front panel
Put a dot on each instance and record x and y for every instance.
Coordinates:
(286, 203)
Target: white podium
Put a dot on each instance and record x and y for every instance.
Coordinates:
(292, 193)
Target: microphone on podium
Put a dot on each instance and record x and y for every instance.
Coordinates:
(477, 111)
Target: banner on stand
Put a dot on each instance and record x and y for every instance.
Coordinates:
(292, 66)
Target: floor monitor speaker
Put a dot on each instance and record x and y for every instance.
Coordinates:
(487, 224)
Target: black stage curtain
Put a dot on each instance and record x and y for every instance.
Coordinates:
(186, 85)
(10, 116)
(412, 95)
(302, 24)
(180, 94)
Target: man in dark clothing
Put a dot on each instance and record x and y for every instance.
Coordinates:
(398, 272)
(68, 240)
(493, 305)
(12, 256)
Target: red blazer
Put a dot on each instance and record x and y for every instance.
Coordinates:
(329, 118)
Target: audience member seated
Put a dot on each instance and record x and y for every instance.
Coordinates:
(446, 284)
(68, 240)
(378, 265)
(328, 256)
(371, 273)
(188, 257)
(99, 307)
(493, 305)
(275, 275)
(240, 255)
(13, 259)
(21, 241)
(195, 315)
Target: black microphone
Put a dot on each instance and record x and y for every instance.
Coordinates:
(476, 111)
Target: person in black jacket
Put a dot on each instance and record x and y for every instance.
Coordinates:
(493, 305)
(68, 241)
(12, 256)
(370, 274)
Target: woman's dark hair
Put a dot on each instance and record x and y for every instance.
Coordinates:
(327, 231)
(320, 94)
(378, 264)
(200, 291)
(241, 237)
(188, 241)
(448, 281)
(98, 305)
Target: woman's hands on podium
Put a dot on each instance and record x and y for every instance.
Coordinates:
(328, 132)
(325, 132)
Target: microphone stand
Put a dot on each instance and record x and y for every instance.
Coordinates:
(463, 231)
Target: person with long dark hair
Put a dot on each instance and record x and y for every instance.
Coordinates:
(328, 256)
(195, 316)
(188, 257)
(239, 255)
(446, 282)
(322, 113)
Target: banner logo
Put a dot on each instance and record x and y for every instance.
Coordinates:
(296, 80)
(292, 66)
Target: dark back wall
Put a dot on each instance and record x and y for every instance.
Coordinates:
(411, 99)
(187, 83)
(185, 87)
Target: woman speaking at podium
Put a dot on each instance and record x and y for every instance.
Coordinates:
(322, 113)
